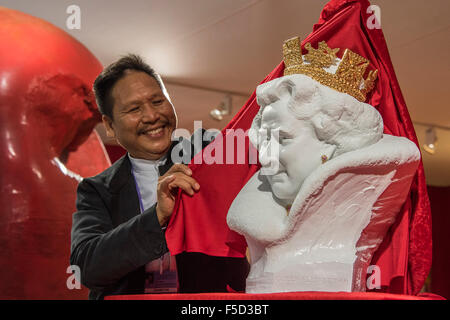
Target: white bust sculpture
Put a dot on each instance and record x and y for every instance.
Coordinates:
(314, 224)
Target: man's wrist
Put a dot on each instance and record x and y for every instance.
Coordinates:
(162, 219)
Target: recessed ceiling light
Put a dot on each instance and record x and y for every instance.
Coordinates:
(224, 108)
(430, 141)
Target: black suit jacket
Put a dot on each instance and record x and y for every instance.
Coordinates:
(112, 241)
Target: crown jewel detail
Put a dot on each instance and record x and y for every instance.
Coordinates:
(349, 76)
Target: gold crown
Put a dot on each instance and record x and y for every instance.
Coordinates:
(348, 77)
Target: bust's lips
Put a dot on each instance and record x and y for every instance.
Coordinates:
(278, 177)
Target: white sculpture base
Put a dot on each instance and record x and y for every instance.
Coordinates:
(326, 276)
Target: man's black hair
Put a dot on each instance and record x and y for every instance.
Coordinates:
(114, 72)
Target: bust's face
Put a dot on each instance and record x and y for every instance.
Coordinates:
(299, 149)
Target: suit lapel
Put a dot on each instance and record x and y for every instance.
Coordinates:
(165, 167)
(124, 200)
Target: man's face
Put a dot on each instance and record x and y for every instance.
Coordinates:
(143, 117)
(299, 149)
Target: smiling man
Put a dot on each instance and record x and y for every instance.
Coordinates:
(145, 118)
(118, 230)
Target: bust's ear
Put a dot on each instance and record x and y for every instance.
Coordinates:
(107, 122)
(328, 151)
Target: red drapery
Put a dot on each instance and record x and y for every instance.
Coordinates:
(199, 223)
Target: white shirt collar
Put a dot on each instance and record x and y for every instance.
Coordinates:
(144, 165)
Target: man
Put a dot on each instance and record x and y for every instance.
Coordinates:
(122, 212)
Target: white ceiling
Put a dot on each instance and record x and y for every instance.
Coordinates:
(231, 45)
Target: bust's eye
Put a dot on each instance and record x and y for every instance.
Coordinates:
(284, 138)
(285, 141)
(273, 98)
(157, 102)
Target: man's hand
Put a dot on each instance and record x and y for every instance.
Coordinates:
(179, 176)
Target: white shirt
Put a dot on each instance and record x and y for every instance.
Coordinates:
(146, 174)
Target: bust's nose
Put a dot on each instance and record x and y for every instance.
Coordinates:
(264, 157)
(269, 153)
(268, 115)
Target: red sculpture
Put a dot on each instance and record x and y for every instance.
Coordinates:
(47, 143)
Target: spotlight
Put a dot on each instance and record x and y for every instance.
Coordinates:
(430, 141)
(224, 108)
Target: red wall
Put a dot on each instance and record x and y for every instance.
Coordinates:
(114, 152)
(440, 211)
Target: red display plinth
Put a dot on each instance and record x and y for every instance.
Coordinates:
(279, 296)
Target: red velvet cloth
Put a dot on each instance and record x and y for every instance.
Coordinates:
(199, 223)
(279, 296)
(440, 279)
